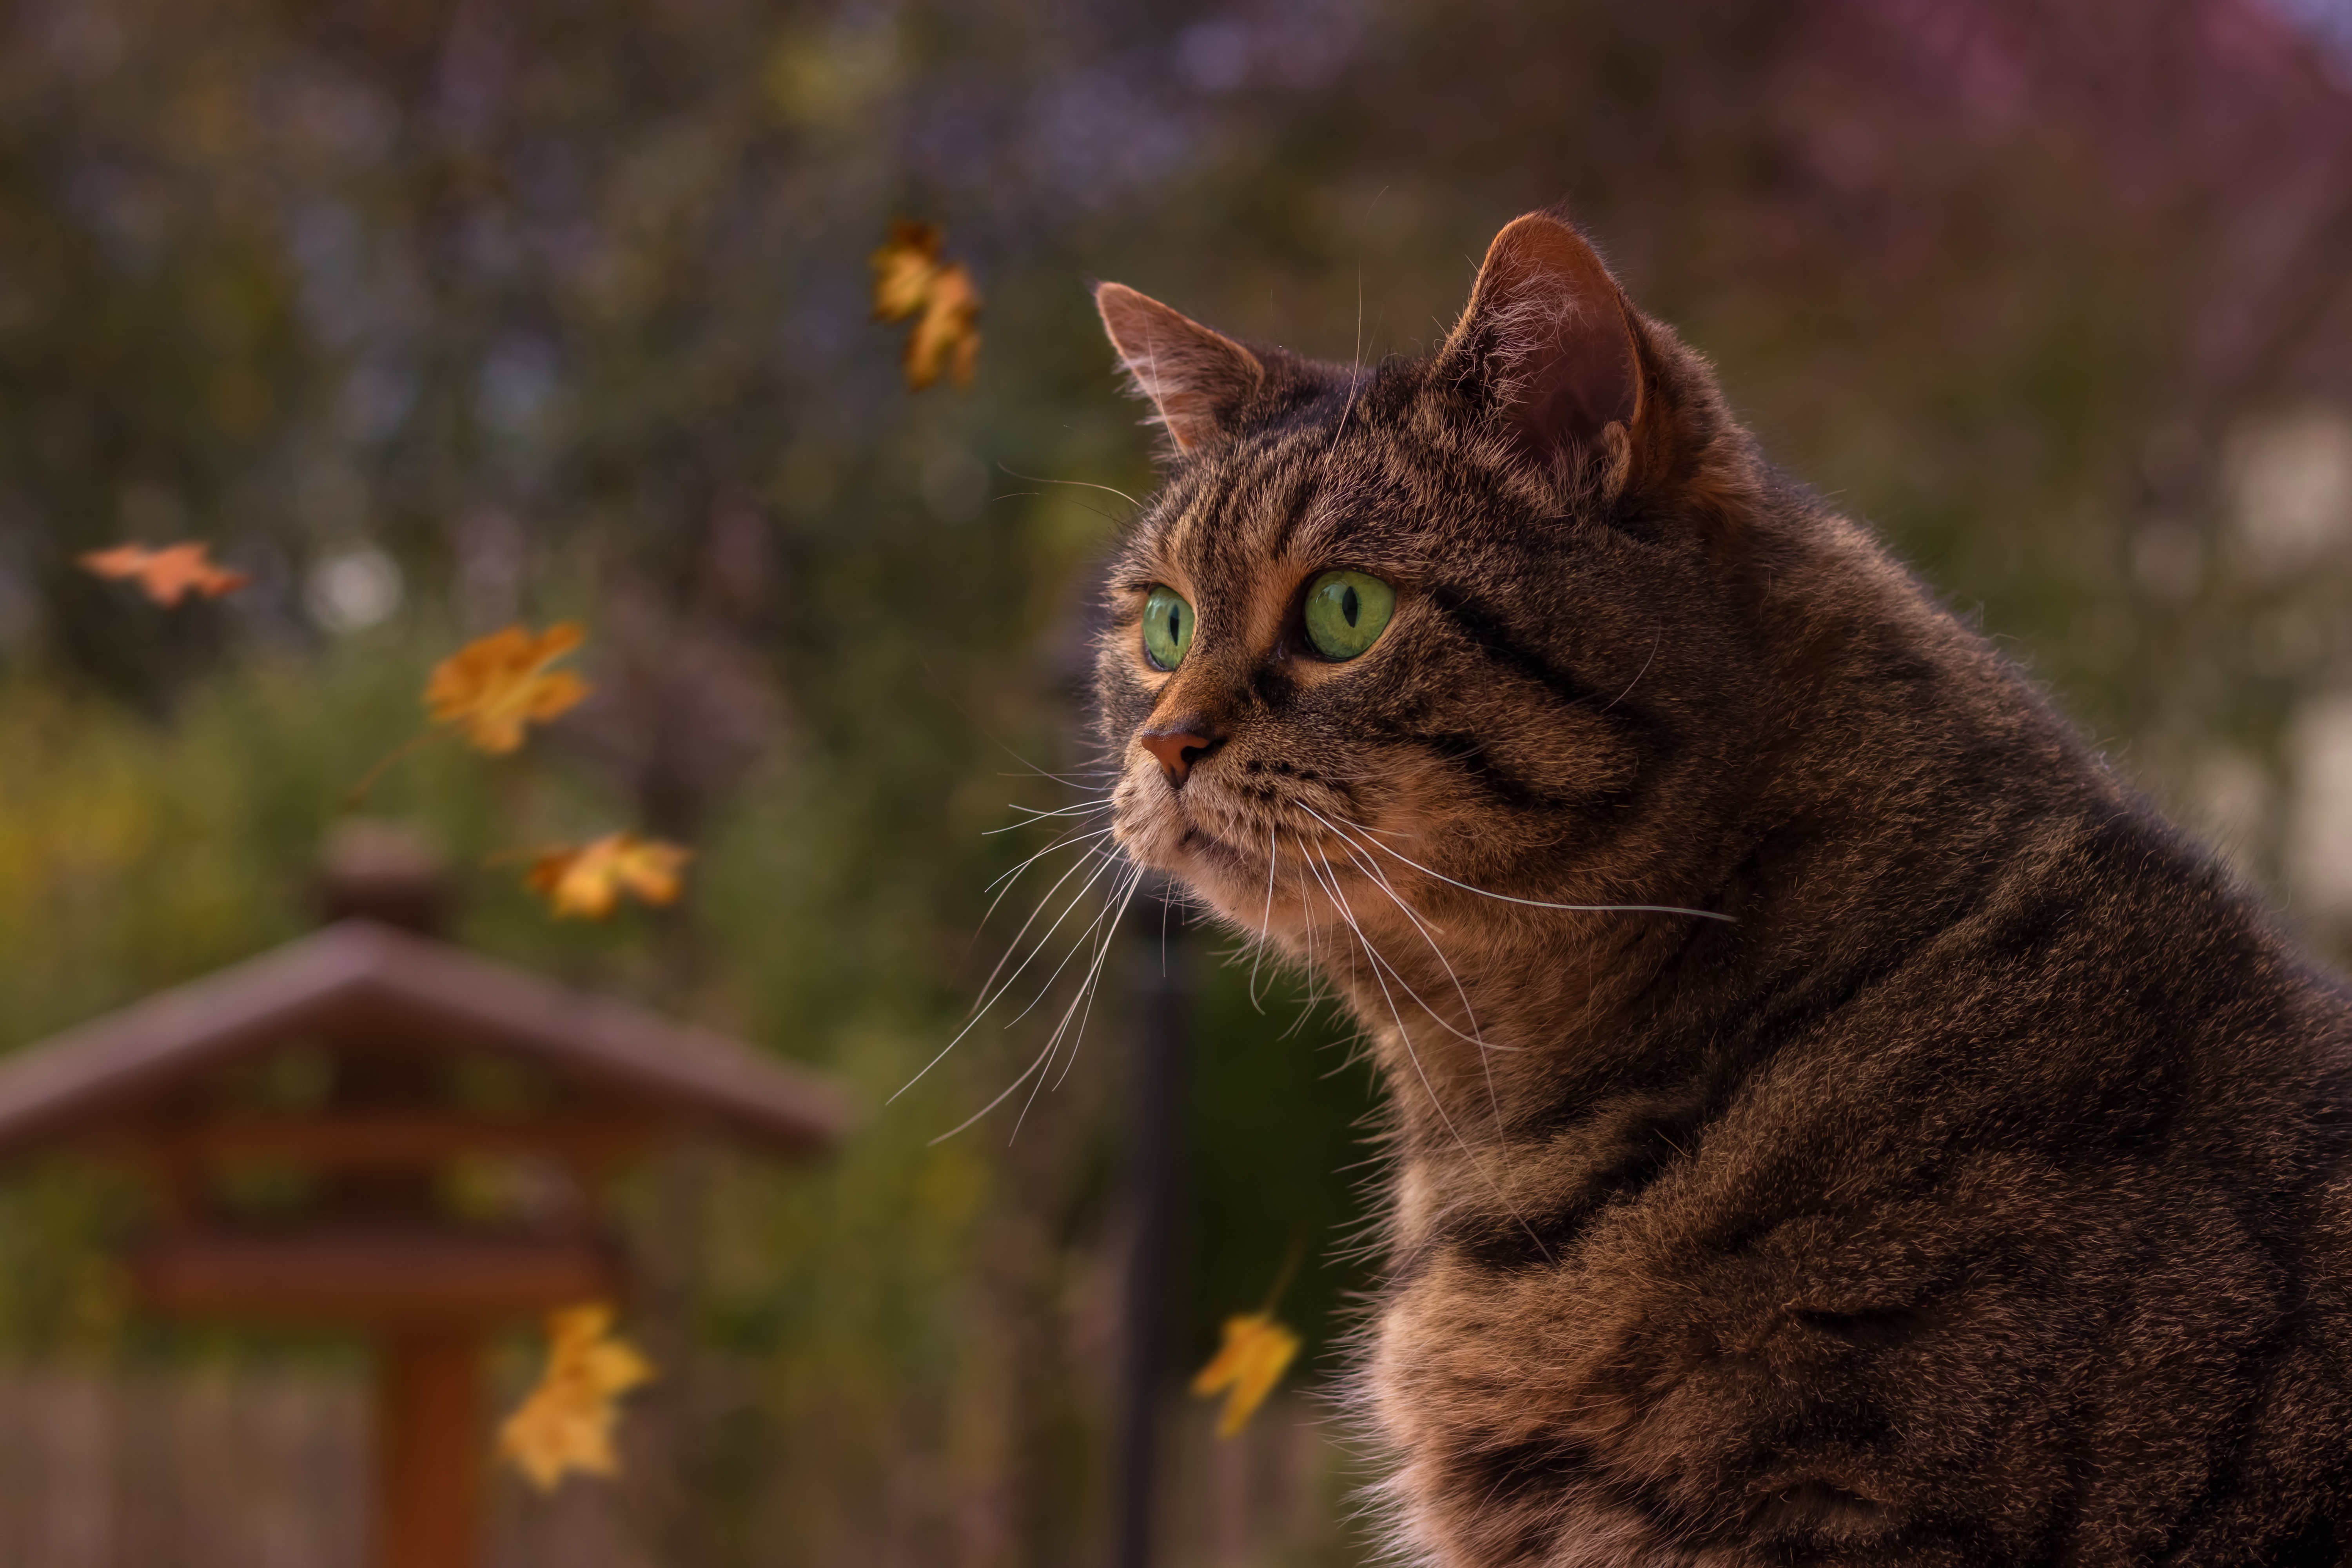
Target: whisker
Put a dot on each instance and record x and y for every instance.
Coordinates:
(983, 1110)
(1382, 882)
(1014, 946)
(1654, 639)
(1544, 904)
(989, 998)
(1476, 1036)
(1404, 1037)
(1042, 1062)
(1042, 990)
(1355, 367)
(1070, 779)
(1084, 484)
(1265, 925)
(1091, 986)
(1013, 875)
(1030, 814)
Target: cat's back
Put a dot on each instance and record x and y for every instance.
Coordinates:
(2033, 1243)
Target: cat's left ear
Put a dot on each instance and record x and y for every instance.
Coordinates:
(1199, 379)
(1550, 346)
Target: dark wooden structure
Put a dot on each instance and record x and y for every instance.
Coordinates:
(369, 1127)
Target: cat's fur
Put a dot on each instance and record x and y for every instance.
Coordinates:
(1979, 1193)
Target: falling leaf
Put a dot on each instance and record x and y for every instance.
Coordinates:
(903, 269)
(497, 687)
(911, 281)
(566, 1422)
(170, 574)
(1256, 1353)
(587, 879)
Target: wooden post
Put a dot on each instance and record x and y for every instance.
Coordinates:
(429, 1455)
(1162, 1002)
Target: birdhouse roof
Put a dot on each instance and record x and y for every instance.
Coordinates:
(360, 977)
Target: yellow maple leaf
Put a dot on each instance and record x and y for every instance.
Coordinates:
(587, 879)
(910, 281)
(1256, 1353)
(167, 576)
(497, 687)
(566, 1422)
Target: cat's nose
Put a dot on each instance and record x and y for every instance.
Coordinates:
(1180, 746)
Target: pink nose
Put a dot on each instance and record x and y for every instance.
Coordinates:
(1179, 746)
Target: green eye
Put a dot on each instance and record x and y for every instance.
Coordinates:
(1346, 612)
(1166, 627)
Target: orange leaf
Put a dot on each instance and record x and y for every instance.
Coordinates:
(587, 880)
(497, 687)
(170, 574)
(911, 281)
(903, 268)
(566, 1422)
(1256, 1353)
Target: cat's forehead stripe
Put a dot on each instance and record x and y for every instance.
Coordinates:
(1222, 527)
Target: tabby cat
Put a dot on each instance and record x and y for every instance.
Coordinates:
(1835, 1121)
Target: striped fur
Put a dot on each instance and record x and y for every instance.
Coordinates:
(1975, 1192)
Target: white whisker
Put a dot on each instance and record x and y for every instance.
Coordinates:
(1265, 925)
(1082, 484)
(1404, 1038)
(1030, 814)
(990, 992)
(1373, 873)
(1476, 1036)
(1543, 904)
(1046, 989)
(1003, 884)
(1014, 946)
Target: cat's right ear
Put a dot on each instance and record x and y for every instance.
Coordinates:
(1547, 347)
(1197, 378)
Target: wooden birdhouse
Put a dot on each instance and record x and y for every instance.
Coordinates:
(371, 1128)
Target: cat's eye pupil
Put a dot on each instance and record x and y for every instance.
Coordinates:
(1346, 613)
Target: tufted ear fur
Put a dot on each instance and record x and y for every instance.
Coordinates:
(1198, 379)
(1549, 343)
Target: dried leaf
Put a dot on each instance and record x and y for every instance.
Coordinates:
(903, 268)
(1256, 1353)
(566, 1424)
(170, 574)
(586, 880)
(497, 687)
(911, 281)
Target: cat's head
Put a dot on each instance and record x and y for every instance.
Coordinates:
(1471, 619)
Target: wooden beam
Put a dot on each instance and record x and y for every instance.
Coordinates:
(369, 1278)
(359, 982)
(430, 1455)
(395, 1140)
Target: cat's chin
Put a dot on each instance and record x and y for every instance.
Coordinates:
(1161, 838)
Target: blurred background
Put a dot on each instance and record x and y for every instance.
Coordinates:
(436, 315)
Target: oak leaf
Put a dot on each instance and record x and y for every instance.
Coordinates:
(1256, 1353)
(497, 687)
(911, 281)
(586, 880)
(566, 1422)
(167, 576)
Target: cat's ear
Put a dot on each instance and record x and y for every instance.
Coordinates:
(1197, 378)
(1549, 344)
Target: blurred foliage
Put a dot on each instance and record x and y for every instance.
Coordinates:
(558, 307)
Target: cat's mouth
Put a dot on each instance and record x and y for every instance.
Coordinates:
(1198, 841)
(1241, 852)
(1157, 828)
